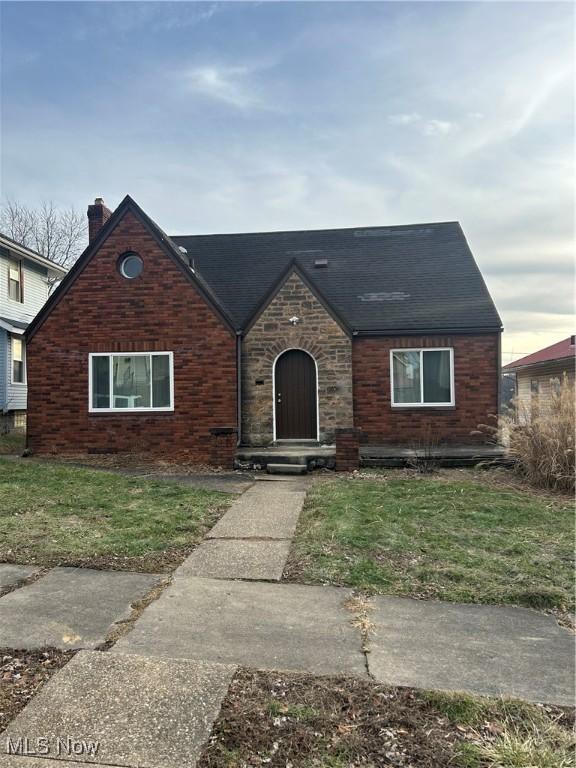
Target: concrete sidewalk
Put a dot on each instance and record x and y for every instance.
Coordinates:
(482, 649)
(68, 607)
(253, 538)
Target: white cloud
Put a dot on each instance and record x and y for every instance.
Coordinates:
(230, 85)
(404, 118)
(426, 126)
(438, 128)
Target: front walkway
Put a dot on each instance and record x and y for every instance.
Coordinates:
(253, 538)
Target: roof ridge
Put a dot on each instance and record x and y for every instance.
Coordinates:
(325, 229)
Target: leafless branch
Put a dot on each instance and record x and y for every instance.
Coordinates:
(58, 234)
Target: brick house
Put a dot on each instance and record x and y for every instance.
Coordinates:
(181, 346)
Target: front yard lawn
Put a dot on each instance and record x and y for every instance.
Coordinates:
(52, 514)
(452, 539)
(278, 719)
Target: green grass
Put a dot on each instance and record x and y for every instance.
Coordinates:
(55, 514)
(454, 540)
(506, 733)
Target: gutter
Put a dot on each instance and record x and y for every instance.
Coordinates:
(426, 331)
(539, 364)
(239, 385)
(22, 252)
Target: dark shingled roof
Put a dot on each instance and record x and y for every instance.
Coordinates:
(403, 278)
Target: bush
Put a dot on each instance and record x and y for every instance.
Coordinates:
(543, 446)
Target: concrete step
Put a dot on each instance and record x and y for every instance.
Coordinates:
(286, 469)
(259, 457)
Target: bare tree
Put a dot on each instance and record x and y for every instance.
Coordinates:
(59, 234)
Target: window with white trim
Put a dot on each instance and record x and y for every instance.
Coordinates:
(18, 361)
(135, 381)
(15, 291)
(422, 377)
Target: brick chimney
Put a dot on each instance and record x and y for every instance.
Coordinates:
(98, 215)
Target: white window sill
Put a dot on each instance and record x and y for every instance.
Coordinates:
(423, 405)
(131, 410)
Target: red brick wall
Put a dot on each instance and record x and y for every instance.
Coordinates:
(476, 383)
(104, 312)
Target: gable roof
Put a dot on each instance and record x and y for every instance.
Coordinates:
(292, 268)
(128, 204)
(559, 351)
(414, 278)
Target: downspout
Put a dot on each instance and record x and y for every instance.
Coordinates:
(239, 385)
(499, 389)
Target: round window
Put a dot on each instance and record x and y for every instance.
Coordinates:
(131, 265)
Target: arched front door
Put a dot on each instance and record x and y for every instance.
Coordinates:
(295, 396)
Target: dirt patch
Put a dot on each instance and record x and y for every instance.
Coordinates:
(280, 720)
(163, 561)
(298, 720)
(132, 462)
(22, 674)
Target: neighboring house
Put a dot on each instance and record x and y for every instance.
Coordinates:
(540, 375)
(25, 277)
(507, 392)
(152, 342)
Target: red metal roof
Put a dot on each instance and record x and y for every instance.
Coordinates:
(558, 351)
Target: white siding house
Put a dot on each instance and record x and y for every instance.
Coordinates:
(25, 278)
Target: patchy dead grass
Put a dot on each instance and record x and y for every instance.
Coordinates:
(12, 443)
(361, 607)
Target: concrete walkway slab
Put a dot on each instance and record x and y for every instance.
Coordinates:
(483, 649)
(267, 511)
(237, 559)
(266, 626)
(140, 712)
(11, 574)
(69, 607)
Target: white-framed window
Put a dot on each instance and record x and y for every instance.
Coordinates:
(130, 381)
(15, 291)
(422, 377)
(18, 361)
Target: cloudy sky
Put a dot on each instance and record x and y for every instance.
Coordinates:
(222, 117)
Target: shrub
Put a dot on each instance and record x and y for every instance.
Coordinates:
(543, 445)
